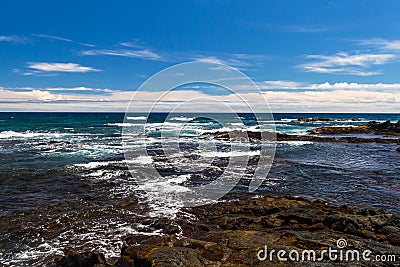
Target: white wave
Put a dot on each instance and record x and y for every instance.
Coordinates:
(105, 236)
(28, 134)
(261, 128)
(161, 195)
(165, 123)
(171, 185)
(138, 118)
(295, 143)
(141, 160)
(223, 129)
(104, 174)
(181, 118)
(95, 164)
(268, 121)
(282, 124)
(230, 154)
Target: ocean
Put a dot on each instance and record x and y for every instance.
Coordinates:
(64, 181)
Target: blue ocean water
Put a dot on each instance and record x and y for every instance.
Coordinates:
(64, 179)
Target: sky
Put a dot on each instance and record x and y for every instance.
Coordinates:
(305, 56)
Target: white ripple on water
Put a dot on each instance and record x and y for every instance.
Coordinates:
(138, 118)
(31, 134)
(96, 164)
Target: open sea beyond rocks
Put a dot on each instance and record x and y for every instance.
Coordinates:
(64, 182)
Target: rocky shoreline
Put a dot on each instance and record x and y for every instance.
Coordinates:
(387, 133)
(232, 233)
(372, 127)
(257, 136)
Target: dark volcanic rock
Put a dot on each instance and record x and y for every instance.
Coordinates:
(268, 136)
(231, 234)
(398, 149)
(373, 127)
(304, 119)
(75, 259)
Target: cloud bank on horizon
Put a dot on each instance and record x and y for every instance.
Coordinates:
(314, 56)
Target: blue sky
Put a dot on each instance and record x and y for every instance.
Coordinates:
(306, 56)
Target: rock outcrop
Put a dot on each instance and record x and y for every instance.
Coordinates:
(268, 136)
(304, 119)
(373, 127)
(74, 259)
(232, 233)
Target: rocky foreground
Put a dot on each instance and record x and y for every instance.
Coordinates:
(232, 233)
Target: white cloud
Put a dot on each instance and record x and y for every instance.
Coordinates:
(297, 28)
(70, 99)
(227, 61)
(13, 39)
(279, 85)
(357, 86)
(62, 39)
(235, 60)
(382, 44)
(303, 29)
(135, 49)
(79, 89)
(131, 44)
(344, 63)
(59, 67)
(34, 94)
(139, 53)
(334, 97)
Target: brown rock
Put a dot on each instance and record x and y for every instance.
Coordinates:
(87, 259)
(372, 127)
(304, 119)
(231, 234)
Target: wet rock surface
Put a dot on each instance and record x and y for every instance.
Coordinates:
(231, 234)
(268, 136)
(373, 127)
(304, 119)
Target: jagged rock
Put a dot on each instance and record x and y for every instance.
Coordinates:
(231, 233)
(268, 136)
(304, 119)
(87, 259)
(372, 127)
